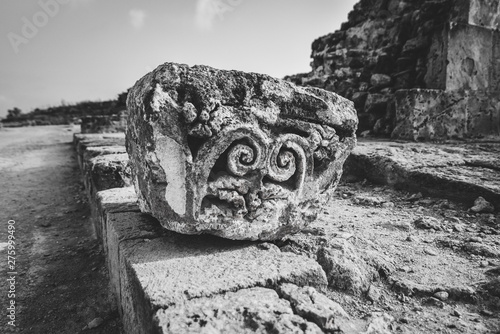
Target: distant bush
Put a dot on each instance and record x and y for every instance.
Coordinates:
(65, 113)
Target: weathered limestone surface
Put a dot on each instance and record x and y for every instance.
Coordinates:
(390, 49)
(104, 165)
(154, 272)
(260, 310)
(92, 152)
(110, 201)
(83, 142)
(316, 307)
(77, 137)
(460, 172)
(479, 12)
(163, 280)
(107, 171)
(254, 310)
(157, 269)
(437, 114)
(238, 155)
(472, 58)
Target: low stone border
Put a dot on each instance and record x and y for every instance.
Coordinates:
(165, 282)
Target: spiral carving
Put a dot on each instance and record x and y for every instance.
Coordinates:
(288, 158)
(243, 158)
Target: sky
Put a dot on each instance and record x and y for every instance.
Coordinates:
(55, 51)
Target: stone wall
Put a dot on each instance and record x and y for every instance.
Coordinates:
(104, 123)
(393, 45)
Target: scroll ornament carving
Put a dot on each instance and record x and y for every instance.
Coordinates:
(238, 155)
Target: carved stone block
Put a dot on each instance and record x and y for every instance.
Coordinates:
(234, 154)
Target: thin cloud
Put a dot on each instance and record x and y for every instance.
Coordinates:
(208, 10)
(205, 14)
(137, 17)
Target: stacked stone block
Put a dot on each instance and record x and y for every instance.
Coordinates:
(441, 53)
(104, 123)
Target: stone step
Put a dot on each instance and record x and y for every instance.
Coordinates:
(155, 272)
(456, 171)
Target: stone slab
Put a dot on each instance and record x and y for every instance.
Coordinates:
(472, 58)
(460, 172)
(101, 173)
(430, 114)
(288, 309)
(110, 201)
(254, 310)
(156, 269)
(107, 171)
(485, 14)
(77, 137)
(92, 152)
(82, 142)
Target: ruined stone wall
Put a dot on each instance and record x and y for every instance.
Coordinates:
(391, 45)
(104, 123)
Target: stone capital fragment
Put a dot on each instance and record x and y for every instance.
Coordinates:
(234, 154)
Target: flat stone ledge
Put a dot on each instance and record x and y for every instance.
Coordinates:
(84, 144)
(459, 172)
(117, 200)
(106, 172)
(77, 137)
(152, 269)
(111, 201)
(92, 152)
(101, 173)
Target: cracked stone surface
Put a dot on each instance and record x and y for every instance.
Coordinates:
(316, 307)
(107, 171)
(152, 268)
(234, 154)
(255, 310)
(456, 171)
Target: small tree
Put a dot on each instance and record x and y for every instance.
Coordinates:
(13, 113)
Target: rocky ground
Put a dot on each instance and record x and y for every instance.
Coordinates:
(431, 264)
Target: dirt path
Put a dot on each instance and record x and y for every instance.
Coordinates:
(61, 283)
